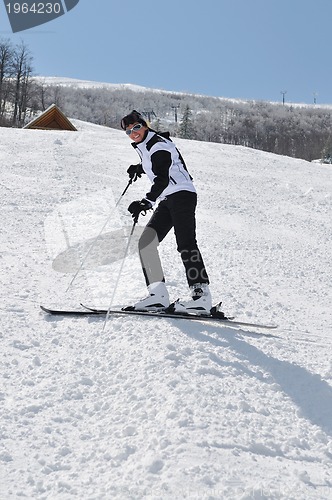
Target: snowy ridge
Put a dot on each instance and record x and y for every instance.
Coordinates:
(163, 409)
(88, 84)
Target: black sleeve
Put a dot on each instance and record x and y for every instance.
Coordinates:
(161, 162)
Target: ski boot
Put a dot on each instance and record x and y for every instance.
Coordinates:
(200, 303)
(157, 300)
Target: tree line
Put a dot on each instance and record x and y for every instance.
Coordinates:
(297, 131)
(15, 82)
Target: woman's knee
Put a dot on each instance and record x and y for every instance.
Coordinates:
(148, 238)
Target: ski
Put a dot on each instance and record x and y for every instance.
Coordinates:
(68, 312)
(90, 311)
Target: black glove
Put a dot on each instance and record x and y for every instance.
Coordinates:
(135, 171)
(137, 207)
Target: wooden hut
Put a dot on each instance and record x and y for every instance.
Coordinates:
(51, 119)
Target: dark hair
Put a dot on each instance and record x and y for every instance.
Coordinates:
(133, 117)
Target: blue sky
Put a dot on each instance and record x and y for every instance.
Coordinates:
(251, 49)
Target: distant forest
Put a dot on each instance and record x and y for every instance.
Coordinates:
(296, 131)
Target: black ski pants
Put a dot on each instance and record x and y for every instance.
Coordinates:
(177, 211)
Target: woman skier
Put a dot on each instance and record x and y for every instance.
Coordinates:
(173, 189)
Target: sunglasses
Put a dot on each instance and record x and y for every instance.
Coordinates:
(135, 128)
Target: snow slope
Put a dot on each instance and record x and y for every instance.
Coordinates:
(163, 409)
(89, 84)
(64, 81)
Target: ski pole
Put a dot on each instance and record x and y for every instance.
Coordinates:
(97, 238)
(120, 271)
(124, 192)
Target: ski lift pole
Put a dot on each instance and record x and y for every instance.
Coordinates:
(120, 270)
(97, 238)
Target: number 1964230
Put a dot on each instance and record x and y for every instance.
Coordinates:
(35, 8)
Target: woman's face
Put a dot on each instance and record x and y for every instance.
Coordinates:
(136, 131)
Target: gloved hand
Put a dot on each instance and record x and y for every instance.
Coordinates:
(136, 207)
(135, 171)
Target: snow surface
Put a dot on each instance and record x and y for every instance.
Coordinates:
(155, 408)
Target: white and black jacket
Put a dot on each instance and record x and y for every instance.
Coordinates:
(164, 166)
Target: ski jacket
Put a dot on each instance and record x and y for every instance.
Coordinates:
(164, 166)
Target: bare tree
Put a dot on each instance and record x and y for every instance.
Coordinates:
(6, 57)
(22, 65)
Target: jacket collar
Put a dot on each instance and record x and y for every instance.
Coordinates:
(149, 133)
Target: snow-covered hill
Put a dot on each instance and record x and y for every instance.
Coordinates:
(163, 409)
(62, 81)
(87, 84)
